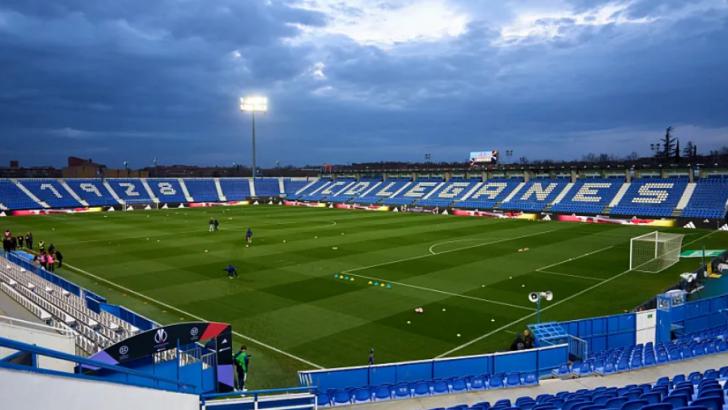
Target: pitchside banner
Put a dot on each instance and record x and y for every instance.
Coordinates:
(213, 335)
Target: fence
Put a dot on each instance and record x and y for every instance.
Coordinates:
(539, 361)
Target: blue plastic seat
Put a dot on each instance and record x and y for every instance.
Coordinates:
(615, 403)
(383, 392)
(421, 388)
(361, 395)
(658, 406)
(401, 391)
(496, 381)
(678, 400)
(458, 384)
(440, 387)
(652, 398)
(502, 403)
(342, 396)
(477, 383)
(634, 404)
(323, 399)
(570, 404)
(513, 379)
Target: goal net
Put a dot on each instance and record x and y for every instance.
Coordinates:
(654, 251)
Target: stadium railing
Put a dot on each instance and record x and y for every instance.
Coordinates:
(123, 375)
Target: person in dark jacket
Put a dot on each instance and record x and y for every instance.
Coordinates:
(59, 258)
(29, 240)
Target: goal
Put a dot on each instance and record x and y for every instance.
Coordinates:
(654, 251)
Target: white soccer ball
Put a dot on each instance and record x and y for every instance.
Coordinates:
(492, 319)
(409, 323)
(458, 335)
(206, 251)
(444, 310)
(284, 241)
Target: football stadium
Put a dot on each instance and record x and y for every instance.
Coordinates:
(372, 279)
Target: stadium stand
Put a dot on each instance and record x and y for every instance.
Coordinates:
(651, 197)
(235, 189)
(589, 195)
(647, 197)
(709, 200)
(490, 193)
(51, 192)
(267, 187)
(202, 189)
(92, 191)
(12, 197)
(167, 189)
(698, 390)
(623, 359)
(58, 306)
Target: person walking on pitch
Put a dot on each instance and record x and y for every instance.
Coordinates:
(248, 237)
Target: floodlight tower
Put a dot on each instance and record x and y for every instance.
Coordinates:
(537, 297)
(254, 104)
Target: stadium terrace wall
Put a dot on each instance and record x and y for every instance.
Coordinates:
(538, 361)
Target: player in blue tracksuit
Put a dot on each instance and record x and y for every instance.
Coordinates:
(248, 237)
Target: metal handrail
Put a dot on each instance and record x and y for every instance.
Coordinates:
(37, 350)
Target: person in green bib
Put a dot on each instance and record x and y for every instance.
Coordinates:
(242, 364)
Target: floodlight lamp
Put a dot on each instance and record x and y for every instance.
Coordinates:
(254, 103)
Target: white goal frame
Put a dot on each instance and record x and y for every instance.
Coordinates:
(655, 251)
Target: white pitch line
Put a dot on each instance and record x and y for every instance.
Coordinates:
(575, 258)
(411, 258)
(170, 307)
(444, 292)
(550, 272)
(492, 332)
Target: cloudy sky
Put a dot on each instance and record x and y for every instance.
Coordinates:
(357, 80)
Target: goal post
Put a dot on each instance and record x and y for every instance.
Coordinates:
(654, 251)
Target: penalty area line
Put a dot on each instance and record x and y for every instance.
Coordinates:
(176, 309)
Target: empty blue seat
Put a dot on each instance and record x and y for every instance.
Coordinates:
(383, 392)
(658, 406)
(440, 387)
(615, 403)
(711, 403)
(421, 389)
(678, 400)
(458, 384)
(401, 391)
(513, 379)
(361, 395)
(477, 382)
(323, 399)
(634, 404)
(651, 398)
(342, 396)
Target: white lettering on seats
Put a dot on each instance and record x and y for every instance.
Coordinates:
(358, 188)
(166, 188)
(589, 192)
(385, 191)
(653, 193)
(420, 189)
(538, 190)
(90, 188)
(330, 189)
(453, 190)
(129, 189)
(491, 190)
(49, 187)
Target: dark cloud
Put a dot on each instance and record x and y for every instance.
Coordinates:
(139, 79)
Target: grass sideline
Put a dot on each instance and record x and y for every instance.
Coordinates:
(287, 306)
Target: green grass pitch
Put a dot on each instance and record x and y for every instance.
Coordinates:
(467, 274)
